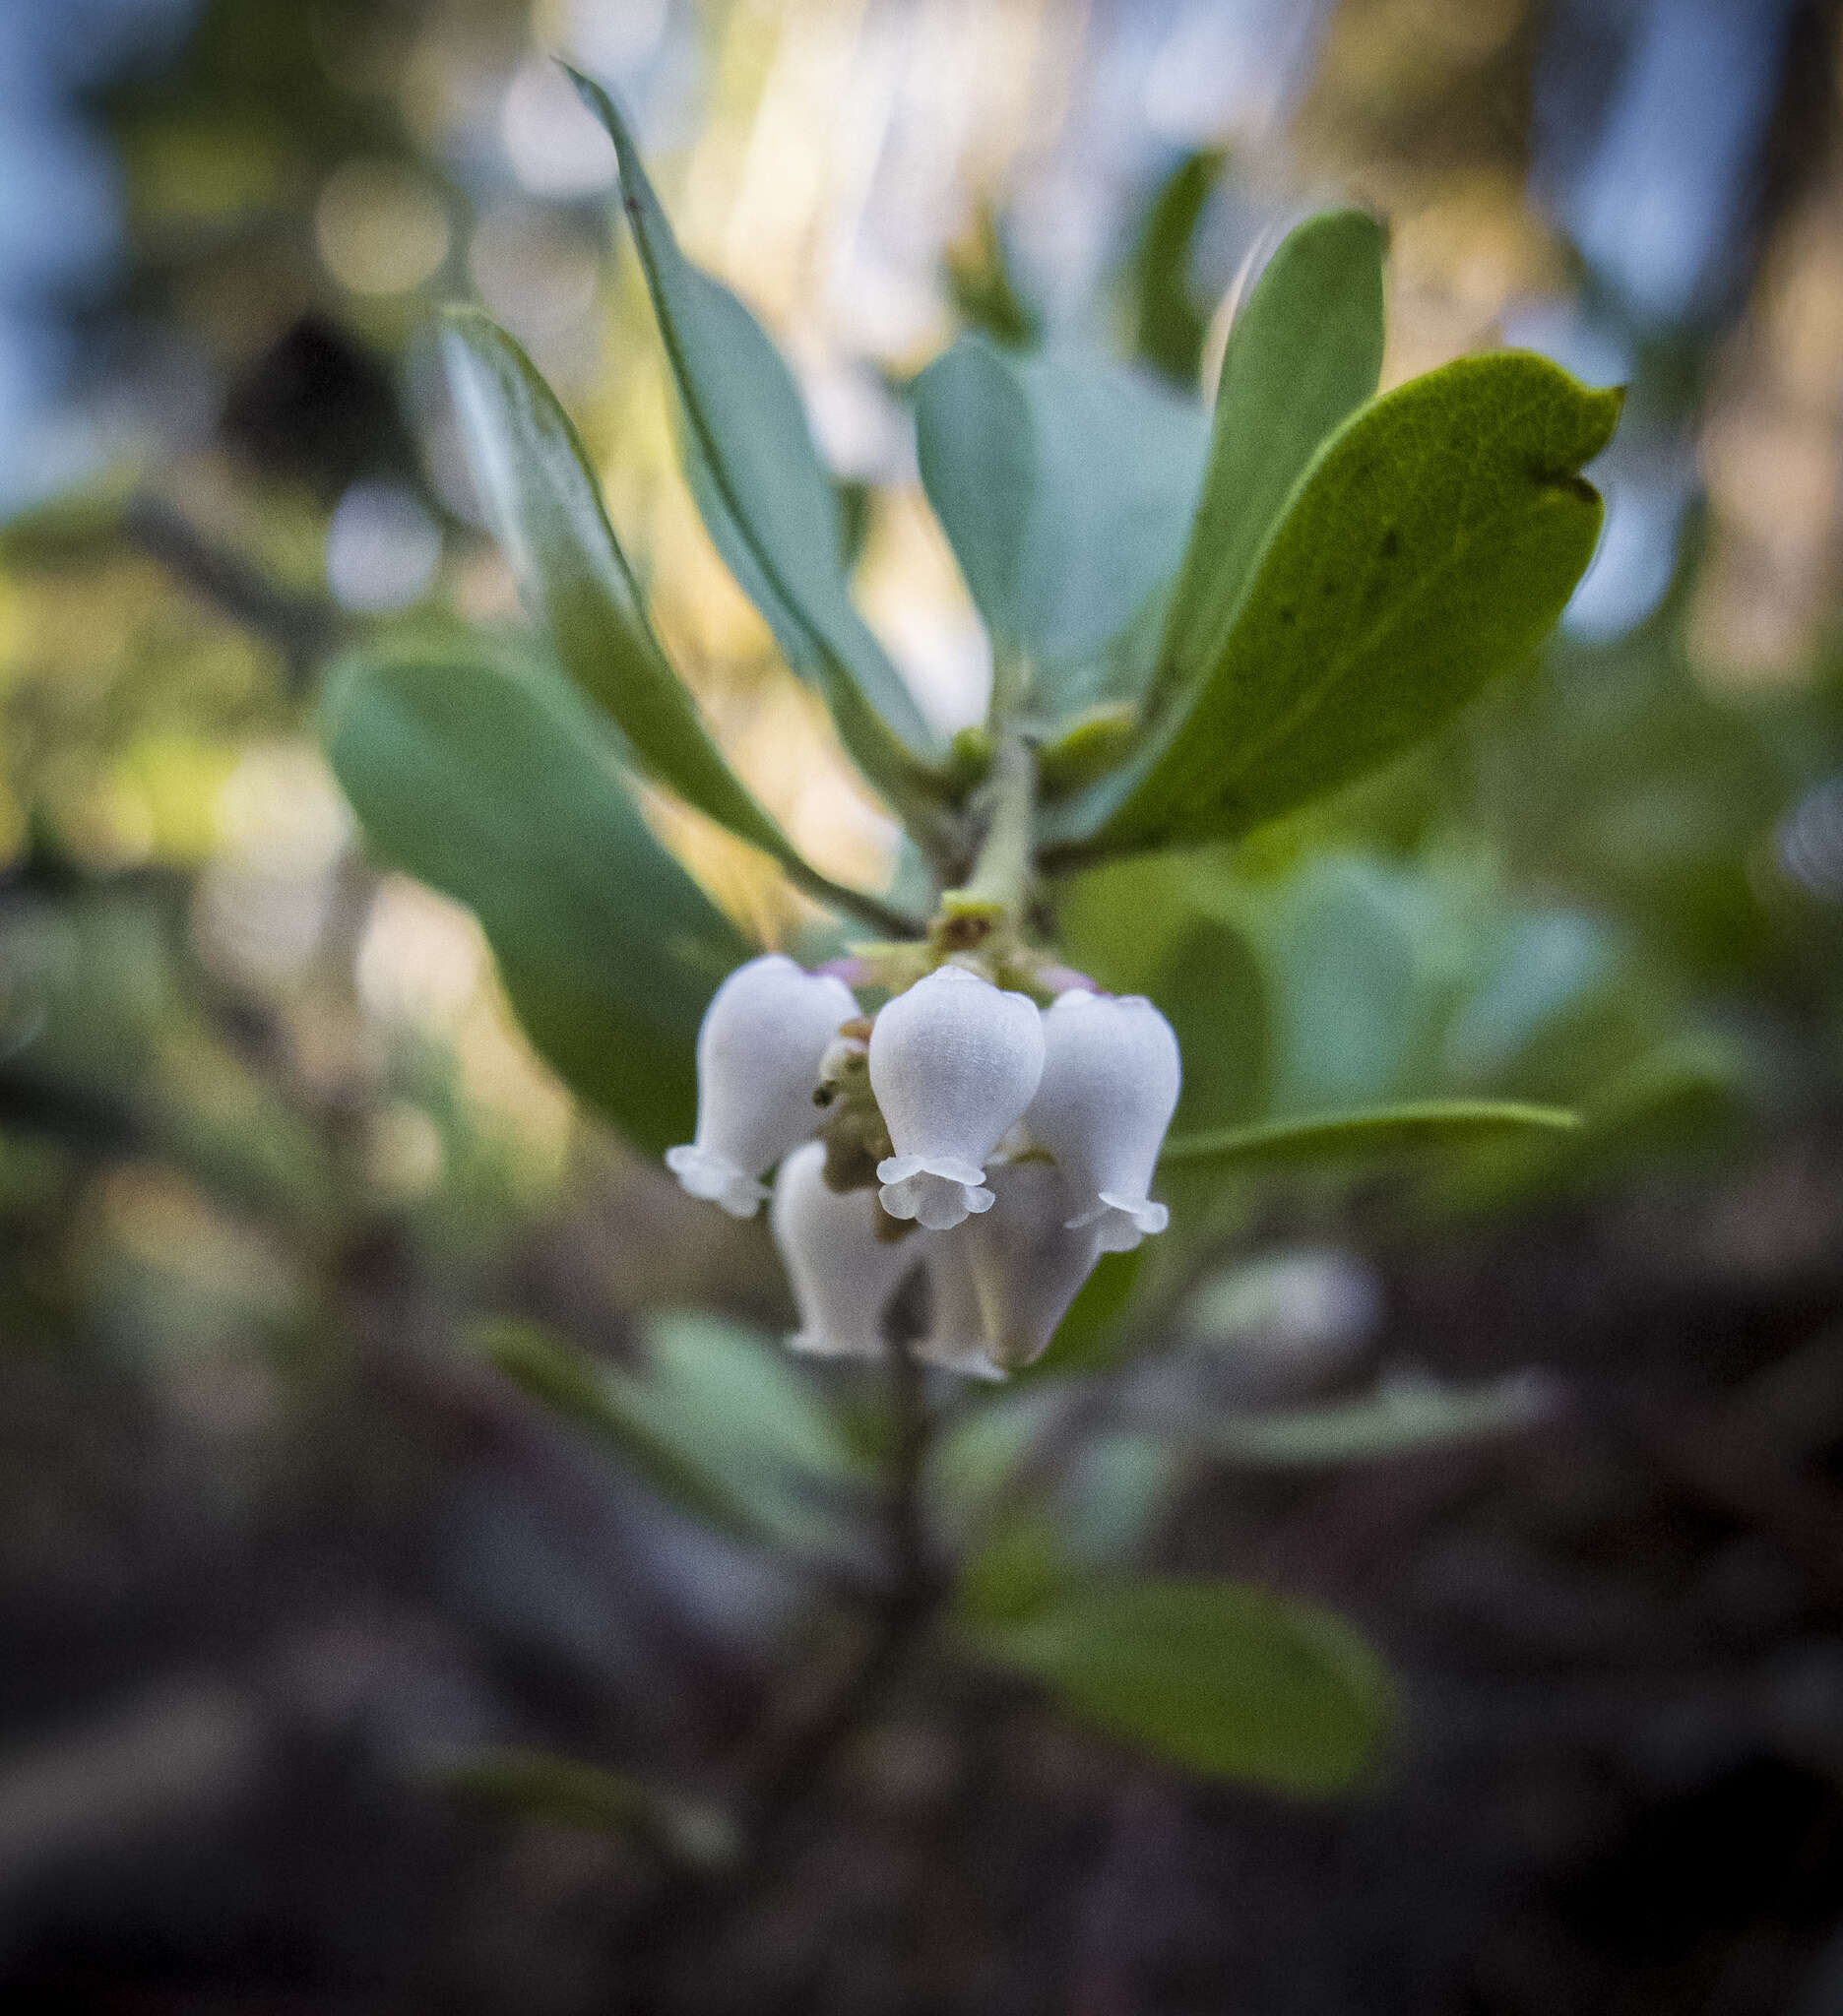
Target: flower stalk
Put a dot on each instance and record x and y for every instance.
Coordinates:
(996, 892)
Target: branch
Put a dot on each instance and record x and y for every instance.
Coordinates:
(302, 628)
(911, 1597)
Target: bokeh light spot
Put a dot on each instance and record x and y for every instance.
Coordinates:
(381, 228)
(382, 547)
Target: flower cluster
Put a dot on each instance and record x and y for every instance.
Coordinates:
(1019, 1143)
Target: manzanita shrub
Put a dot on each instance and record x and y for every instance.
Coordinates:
(1198, 623)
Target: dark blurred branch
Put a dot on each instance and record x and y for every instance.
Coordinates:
(912, 1568)
(907, 1607)
(705, 1911)
(302, 628)
(80, 1118)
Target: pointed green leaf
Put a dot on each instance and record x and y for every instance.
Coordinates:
(1404, 1417)
(979, 270)
(1303, 353)
(1431, 545)
(547, 512)
(768, 502)
(1380, 1130)
(758, 1422)
(587, 1394)
(715, 1419)
(1224, 1679)
(541, 1785)
(498, 786)
(1065, 486)
(1170, 327)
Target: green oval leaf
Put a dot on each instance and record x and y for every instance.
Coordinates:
(978, 467)
(497, 786)
(1065, 486)
(547, 512)
(1380, 1130)
(1303, 353)
(767, 501)
(1217, 996)
(1226, 1679)
(1431, 545)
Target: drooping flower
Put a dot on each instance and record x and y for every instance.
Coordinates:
(953, 1064)
(758, 1056)
(1026, 1262)
(955, 1339)
(842, 1273)
(1108, 1089)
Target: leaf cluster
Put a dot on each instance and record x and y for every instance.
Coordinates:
(1198, 623)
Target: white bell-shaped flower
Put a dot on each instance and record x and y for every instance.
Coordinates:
(758, 1056)
(953, 1064)
(1026, 1262)
(956, 1334)
(842, 1273)
(1108, 1089)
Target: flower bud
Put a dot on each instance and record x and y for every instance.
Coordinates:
(1027, 1262)
(842, 1273)
(1108, 1089)
(758, 1056)
(956, 1332)
(953, 1064)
